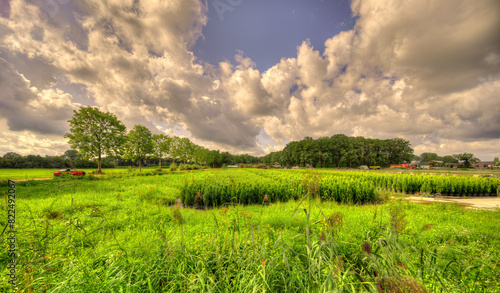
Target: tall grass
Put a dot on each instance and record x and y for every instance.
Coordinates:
(111, 235)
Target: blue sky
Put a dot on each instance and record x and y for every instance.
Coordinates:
(267, 31)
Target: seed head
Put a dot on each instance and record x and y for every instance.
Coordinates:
(367, 248)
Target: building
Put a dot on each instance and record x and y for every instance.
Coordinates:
(486, 164)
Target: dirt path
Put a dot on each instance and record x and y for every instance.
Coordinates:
(487, 203)
(24, 179)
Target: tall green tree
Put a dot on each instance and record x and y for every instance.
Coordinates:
(449, 159)
(184, 149)
(11, 155)
(161, 146)
(467, 158)
(400, 151)
(214, 158)
(426, 157)
(70, 155)
(139, 144)
(94, 134)
(496, 162)
(200, 154)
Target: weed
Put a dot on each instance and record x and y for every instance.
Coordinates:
(177, 215)
(397, 218)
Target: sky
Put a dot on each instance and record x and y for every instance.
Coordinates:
(249, 76)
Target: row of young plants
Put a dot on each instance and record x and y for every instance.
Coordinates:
(430, 184)
(256, 186)
(253, 186)
(442, 184)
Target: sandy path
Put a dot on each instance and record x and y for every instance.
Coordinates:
(24, 179)
(488, 203)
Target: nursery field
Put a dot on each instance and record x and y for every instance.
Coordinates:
(268, 231)
(254, 186)
(49, 173)
(464, 172)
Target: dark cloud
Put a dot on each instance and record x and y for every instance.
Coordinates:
(25, 108)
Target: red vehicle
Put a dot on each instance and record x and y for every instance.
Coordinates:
(399, 166)
(69, 171)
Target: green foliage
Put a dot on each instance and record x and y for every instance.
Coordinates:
(426, 157)
(467, 158)
(250, 186)
(118, 233)
(139, 144)
(342, 151)
(162, 147)
(94, 133)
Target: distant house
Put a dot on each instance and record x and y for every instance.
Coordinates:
(486, 164)
(432, 163)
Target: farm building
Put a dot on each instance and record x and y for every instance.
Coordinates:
(486, 164)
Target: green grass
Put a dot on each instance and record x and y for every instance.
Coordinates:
(49, 173)
(119, 234)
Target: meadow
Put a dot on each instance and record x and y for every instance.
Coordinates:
(123, 233)
(26, 174)
(49, 173)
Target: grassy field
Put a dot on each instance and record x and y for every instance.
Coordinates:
(49, 173)
(119, 233)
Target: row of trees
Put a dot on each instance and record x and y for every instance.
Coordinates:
(343, 151)
(70, 159)
(96, 134)
(427, 157)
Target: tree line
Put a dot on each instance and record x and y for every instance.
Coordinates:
(343, 151)
(96, 134)
(70, 159)
(100, 140)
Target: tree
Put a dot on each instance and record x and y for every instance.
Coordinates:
(94, 134)
(467, 158)
(200, 154)
(399, 151)
(70, 155)
(11, 155)
(496, 162)
(139, 144)
(214, 158)
(184, 149)
(161, 146)
(449, 159)
(426, 157)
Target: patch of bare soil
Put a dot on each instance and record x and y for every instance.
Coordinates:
(487, 203)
